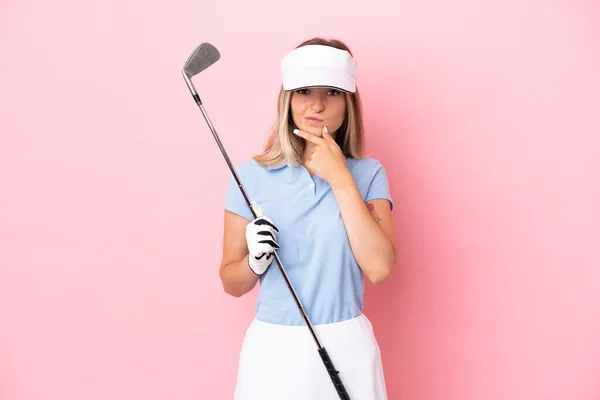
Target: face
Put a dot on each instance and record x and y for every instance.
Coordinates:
(314, 108)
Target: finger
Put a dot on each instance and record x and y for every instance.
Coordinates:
(269, 255)
(266, 233)
(261, 255)
(310, 137)
(270, 245)
(326, 135)
(264, 221)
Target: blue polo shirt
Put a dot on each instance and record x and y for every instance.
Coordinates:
(315, 251)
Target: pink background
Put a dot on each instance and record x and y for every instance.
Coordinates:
(485, 114)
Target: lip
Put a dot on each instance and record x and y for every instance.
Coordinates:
(314, 120)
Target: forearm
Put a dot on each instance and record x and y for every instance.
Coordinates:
(237, 277)
(373, 249)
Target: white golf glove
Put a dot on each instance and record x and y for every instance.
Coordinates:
(260, 237)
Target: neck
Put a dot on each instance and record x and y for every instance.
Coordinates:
(308, 147)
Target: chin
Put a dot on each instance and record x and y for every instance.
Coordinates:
(314, 130)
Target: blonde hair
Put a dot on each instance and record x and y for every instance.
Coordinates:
(283, 146)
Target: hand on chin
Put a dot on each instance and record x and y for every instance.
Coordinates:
(313, 130)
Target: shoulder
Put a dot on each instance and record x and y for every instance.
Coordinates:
(371, 179)
(251, 172)
(364, 166)
(250, 168)
(368, 173)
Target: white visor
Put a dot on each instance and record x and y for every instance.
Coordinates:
(319, 66)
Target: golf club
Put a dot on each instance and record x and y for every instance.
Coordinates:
(203, 57)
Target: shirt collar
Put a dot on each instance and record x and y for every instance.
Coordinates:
(287, 164)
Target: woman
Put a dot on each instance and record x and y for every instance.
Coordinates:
(327, 214)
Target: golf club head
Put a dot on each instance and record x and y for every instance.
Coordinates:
(203, 57)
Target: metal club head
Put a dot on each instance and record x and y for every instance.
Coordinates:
(203, 57)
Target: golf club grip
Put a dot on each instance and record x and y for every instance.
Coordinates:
(333, 374)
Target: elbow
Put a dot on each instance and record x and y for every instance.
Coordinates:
(232, 292)
(380, 275)
(229, 287)
(232, 289)
(380, 272)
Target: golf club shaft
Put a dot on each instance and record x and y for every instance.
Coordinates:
(333, 374)
(249, 203)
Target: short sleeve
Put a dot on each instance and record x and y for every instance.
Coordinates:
(379, 187)
(234, 200)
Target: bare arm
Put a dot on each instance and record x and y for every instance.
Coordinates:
(369, 227)
(370, 230)
(236, 276)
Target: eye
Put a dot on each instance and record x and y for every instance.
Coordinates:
(302, 91)
(333, 92)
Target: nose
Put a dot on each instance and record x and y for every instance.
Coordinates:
(318, 104)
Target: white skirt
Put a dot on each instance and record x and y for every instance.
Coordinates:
(279, 362)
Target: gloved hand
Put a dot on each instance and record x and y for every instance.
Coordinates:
(260, 237)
